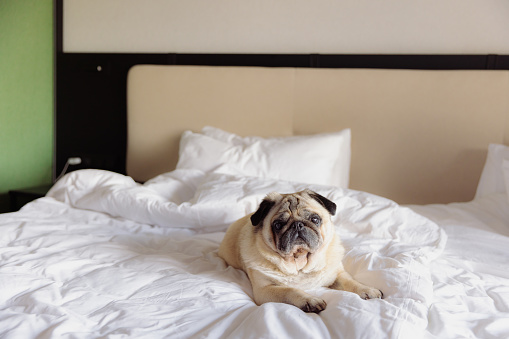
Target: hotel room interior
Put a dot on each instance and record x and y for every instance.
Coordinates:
(134, 133)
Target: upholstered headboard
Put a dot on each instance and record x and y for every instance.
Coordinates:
(417, 136)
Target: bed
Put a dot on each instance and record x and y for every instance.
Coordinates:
(416, 161)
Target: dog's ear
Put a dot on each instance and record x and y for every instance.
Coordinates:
(265, 206)
(329, 205)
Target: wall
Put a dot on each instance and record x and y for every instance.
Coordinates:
(288, 26)
(222, 26)
(26, 94)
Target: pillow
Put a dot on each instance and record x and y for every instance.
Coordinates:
(492, 177)
(505, 167)
(322, 159)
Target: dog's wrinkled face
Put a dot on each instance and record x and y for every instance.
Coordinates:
(294, 223)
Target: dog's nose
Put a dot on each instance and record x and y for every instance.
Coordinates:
(298, 225)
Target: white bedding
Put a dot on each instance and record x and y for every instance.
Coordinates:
(471, 277)
(103, 256)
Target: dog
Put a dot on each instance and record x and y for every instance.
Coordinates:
(289, 245)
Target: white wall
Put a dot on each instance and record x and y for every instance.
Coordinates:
(288, 26)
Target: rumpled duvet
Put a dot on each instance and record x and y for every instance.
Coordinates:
(102, 256)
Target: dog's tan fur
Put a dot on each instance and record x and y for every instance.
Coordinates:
(282, 275)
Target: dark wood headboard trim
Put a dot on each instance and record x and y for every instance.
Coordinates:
(90, 89)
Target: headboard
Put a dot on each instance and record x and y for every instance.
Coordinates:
(417, 136)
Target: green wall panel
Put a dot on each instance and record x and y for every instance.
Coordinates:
(26, 94)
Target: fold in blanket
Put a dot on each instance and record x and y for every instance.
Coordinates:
(103, 255)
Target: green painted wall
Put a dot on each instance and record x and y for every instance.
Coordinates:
(26, 94)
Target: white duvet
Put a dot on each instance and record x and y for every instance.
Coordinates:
(471, 278)
(103, 256)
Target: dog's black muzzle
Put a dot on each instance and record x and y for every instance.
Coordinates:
(298, 234)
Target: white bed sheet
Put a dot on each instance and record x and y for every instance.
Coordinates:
(103, 256)
(471, 277)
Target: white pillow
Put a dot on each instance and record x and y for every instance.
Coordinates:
(505, 167)
(492, 177)
(322, 159)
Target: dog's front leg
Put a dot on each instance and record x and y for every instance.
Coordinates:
(265, 290)
(288, 295)
(344, 281)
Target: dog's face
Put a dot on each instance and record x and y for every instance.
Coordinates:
(294, 224)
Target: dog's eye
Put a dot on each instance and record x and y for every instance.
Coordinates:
(315, 219)
(278, 224)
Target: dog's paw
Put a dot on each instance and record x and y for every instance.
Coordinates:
(366, 293)
(312, 305)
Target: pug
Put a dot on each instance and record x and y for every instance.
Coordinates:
(290, 245)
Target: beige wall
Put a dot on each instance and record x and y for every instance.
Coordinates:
(288, 26)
